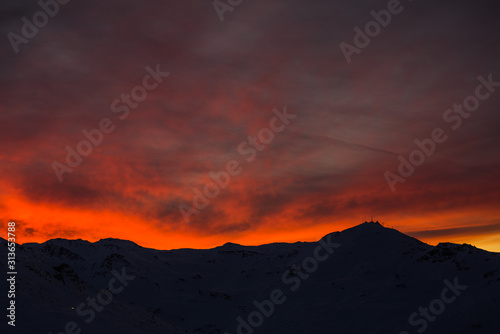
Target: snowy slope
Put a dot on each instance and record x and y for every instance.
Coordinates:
(372, 282)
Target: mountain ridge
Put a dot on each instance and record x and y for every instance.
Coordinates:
(365, 227)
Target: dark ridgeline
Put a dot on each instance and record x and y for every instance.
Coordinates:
(373, 280)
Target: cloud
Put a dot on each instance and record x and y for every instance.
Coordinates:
(325, 168)
(458, 231)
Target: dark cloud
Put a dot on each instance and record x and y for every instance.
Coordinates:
(464, 230)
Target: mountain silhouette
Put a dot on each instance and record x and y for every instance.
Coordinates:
(365, 279)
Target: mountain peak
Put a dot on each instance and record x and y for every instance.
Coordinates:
(117, 242)
(230, 245)
(371, 222)
(367, 227)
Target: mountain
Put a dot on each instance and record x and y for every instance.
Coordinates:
(366, 279)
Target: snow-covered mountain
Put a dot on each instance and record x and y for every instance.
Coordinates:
(366, 279)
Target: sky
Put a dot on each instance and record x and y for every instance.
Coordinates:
(303, 120)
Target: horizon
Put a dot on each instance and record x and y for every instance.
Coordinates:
(262, 244)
